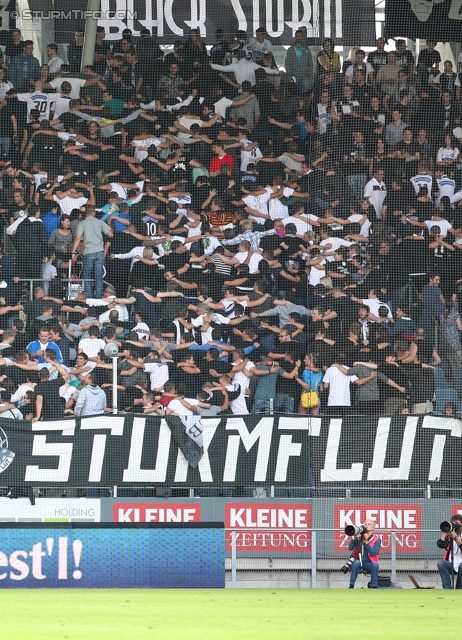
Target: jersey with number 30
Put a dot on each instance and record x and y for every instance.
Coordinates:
(40, 101)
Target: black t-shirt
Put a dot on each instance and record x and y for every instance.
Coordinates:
(17, 375)
(74, 56)
(429, 58)
(6, 124)
(220, 366)
(342, 267)
(346, 310)
(174, 261)
(405, 148)
(406, 59)
(218, 51)
(13, 50)
(53, 408)
(103, 49)
(377, 59)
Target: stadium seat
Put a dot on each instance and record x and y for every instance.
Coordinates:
(97, 493)
(440, 379)
(125, 493)
(446, 395)
(457, 380)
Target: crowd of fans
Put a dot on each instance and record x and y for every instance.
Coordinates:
(265, 232)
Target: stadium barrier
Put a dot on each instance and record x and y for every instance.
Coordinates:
(57, 555)
(247, 456)
(277, 542)
(252, 564)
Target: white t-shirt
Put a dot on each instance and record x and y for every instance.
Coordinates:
(142, 330)
(206, 336)
(54, 64)
(376, 192)
(62, 106)
(210, 244)
(339, 387)
(365, 227)
(446, 154)
(146, 143)
(249, 156)
(92, 346)
(336, 244)
(259, 203)
(316, 274)
(221, 106)
(258, 49)
(40, 101)
(324, 118)
(291, 163)
(422, 179)
(120, 308)
(180, 409)
(444, 226)
(253, 262)
(277, 209)
(158, 374)
(67, 204)
(49, 271)
(365, 68)
(239, 405)
(186, 123)
(76, 84)
(374, 305)
(446, 187)
(5, 86)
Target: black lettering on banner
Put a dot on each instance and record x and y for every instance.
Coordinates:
(281, 18)
(404, 451)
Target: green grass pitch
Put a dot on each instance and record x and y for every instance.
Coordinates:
(254, 614)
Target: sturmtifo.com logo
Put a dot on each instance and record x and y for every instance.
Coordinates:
(6, 456)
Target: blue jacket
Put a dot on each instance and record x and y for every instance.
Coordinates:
(16, 73)
(35, 346)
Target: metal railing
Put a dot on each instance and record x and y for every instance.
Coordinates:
(319, 566)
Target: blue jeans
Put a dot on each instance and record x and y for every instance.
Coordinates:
(445, 571)
(372, 567)
(5, 143)
(261, 406)
(93, 264)
(357, 182)
(303, 84)
(284, 404)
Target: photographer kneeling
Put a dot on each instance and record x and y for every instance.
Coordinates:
(366, 547)
(451, 542)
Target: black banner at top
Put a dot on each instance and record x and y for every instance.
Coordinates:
(440, 20)
(169, 21)
(256, 450)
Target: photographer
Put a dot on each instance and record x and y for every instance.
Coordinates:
(366, 547)
(451, 542)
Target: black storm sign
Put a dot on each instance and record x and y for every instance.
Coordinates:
(440, 20)
(104, 451)
(170, 20)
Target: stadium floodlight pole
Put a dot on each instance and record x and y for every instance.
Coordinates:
(114, 385)
(111, 350)
(91, 22)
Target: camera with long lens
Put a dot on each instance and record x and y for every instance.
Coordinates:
(447, 527)
(353, 530)
(348, 564)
